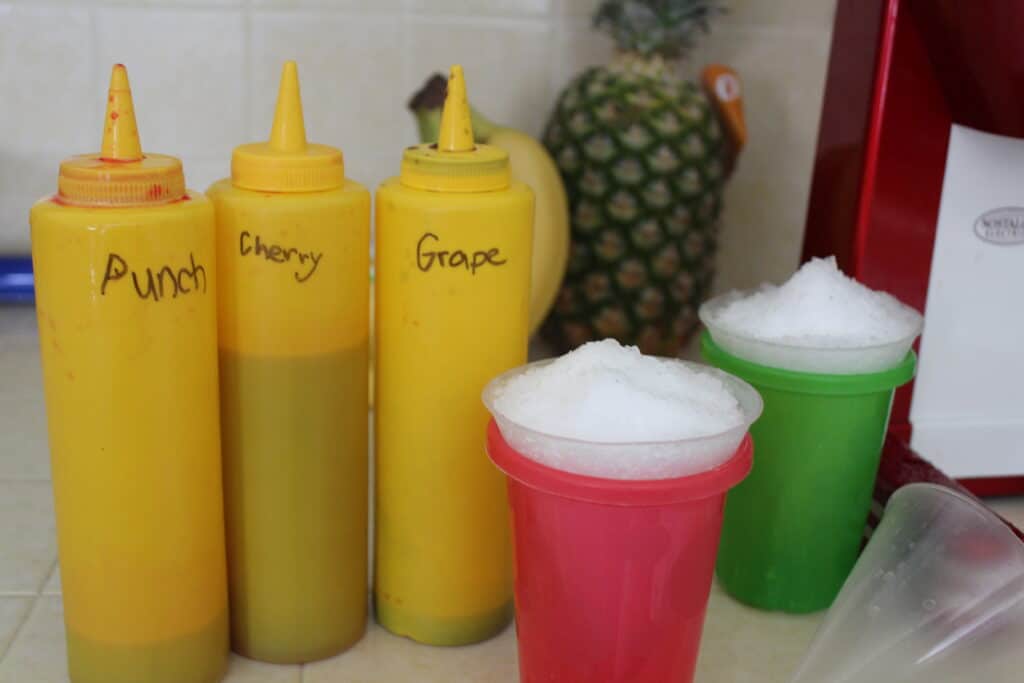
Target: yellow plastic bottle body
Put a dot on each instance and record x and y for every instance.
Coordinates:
(126, 301)
(294, 330)
(445, 326)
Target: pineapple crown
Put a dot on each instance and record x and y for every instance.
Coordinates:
(667, 28)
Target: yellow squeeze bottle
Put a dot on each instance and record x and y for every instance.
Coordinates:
(293, 259)
(126, 301)
(453, 252)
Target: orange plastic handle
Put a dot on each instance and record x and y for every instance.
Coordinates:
(723, 87)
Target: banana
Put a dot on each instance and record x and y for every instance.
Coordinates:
(530, 164)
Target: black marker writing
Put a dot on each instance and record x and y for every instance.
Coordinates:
(158, 284)
(444, 258)
(252, 244)
(116, 268)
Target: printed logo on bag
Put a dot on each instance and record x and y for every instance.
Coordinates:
(1003, 226)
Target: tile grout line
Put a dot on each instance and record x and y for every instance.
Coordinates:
(46, 579)
(462, 20)
(18, 629)
(332, 10)
(247, 51)
(115, 4)
(556, 77)
(772, 30)
(96, 71)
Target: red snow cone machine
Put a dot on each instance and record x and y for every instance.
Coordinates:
(918, 189)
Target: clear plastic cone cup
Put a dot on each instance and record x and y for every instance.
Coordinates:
(937, 596)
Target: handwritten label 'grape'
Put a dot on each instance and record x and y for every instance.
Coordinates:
(428, 256)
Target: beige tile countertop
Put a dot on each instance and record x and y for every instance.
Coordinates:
(740, 645)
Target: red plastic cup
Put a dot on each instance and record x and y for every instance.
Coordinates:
(612, 576)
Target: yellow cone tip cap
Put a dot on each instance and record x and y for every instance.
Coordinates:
(120, 174)
(455, 163)
(456, 126)
(288, 133)
(286, 162)
(120, 132)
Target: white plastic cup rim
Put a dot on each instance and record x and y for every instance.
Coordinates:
(834, 360)
(618, 460)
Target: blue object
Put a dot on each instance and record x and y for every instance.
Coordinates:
(16, 281)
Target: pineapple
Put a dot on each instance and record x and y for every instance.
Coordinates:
(644, 157)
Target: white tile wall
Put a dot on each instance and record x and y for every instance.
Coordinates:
(25, 455)
(12, 614)
(576, 47)
(509, 67)
(47, 76)
(187, 73)
(359, 5)
(379, 656)
(39, 653)
(576, 8)
(474, 7)
(353, 85)
(28, 545)
(784, 14)
(53, 586)
(205, 72)
(765, 204)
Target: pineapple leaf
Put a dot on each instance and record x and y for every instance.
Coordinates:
(667, 28)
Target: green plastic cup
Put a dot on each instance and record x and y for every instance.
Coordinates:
(793, 529)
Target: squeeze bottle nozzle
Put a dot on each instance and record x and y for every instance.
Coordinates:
(456, 163)
(120, 174)
(456, 125)
(120, 132)
(288, 133)
(286, 162)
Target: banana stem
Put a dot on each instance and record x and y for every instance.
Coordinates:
(483, 128)
(428, 122)
(426, 106)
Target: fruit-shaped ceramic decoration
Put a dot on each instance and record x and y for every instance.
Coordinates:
(644, 155)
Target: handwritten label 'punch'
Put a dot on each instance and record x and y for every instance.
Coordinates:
(159, 283)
